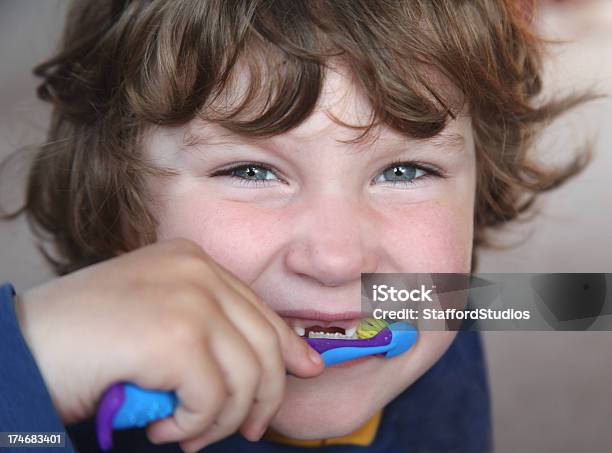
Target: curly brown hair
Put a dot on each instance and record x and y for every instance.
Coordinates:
(125, 65)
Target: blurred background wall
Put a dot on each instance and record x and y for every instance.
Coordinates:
(551, 391)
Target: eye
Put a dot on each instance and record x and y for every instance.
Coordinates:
(253, 172)
(249, 174)
(404, 173)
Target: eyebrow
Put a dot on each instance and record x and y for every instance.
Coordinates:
(199, 141)
(448, 140)
(444, 141)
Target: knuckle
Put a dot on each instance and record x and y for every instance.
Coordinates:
(263, 333)
(221, 429)
(214, 400)
(181, 330)
(185, 245)
(251, 374)
(194, 423)
(218, 396)
(247, 378)
(268, 340)
(189, 266)
(230, 420)
(186, 294)
(186, 257)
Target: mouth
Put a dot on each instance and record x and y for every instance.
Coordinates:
(317, 331)
(340, 329)
(310, 328)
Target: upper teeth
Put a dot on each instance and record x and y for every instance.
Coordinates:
(335, 335)
(300, 331)
(348, 335)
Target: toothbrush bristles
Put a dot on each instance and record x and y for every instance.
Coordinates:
(370, 327)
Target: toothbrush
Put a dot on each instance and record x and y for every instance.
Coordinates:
(126, 405)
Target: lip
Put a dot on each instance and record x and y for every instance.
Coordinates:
(346, 324)
(301, 320)
(320, 316)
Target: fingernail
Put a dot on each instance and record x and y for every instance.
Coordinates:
(255, 434)
(262, 432)
(314, 357)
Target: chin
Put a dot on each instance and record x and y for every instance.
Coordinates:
(325, 407)
(336, 403)
(342, 399)
(312, 419)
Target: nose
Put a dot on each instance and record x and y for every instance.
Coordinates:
(332, 242)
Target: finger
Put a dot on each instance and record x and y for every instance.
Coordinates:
(263, 338)
(299, 358)
(197, 443)
(202, 394)
(242, 372)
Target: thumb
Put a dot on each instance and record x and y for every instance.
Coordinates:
(300, 359)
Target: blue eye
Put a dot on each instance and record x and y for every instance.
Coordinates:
(252, 172)
(401, 173)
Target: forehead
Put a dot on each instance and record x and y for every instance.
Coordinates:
(341, 100)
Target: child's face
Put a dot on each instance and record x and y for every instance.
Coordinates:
(301, 231)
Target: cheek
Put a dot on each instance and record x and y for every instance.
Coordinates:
(435, 236)
(234, 234)
(431, 236)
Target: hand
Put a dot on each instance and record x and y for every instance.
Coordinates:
(166, 317)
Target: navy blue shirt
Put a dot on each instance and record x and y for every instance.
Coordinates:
(447, 409)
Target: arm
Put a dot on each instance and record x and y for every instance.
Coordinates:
(25, 404)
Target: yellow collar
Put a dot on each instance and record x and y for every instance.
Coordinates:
(363, 436)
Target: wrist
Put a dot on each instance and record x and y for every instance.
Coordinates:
(22, 303)
(19, 313)
(18, 306)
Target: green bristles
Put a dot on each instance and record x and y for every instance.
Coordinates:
(369, 327)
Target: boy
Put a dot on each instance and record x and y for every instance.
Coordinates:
(233, 167)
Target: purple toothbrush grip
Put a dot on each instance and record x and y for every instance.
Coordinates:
(321, 345)
(110, 404)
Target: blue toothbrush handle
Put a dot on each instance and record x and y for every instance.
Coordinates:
(403, 337)
(126, 405)
(143, 406)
